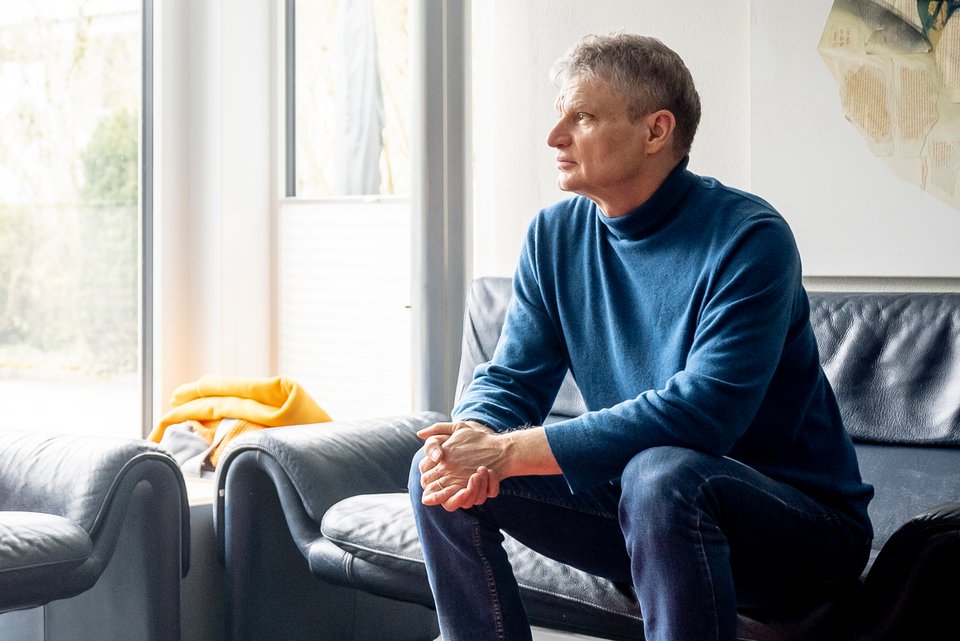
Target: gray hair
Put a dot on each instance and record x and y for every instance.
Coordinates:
(650, 75)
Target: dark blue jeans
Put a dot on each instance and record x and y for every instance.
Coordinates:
(696, 535)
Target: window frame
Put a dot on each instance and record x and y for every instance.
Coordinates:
(146, 218)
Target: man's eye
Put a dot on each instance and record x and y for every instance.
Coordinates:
(582, 116)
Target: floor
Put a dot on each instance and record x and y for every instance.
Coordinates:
(540, 634)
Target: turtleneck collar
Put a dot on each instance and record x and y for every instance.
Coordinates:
(656, 211)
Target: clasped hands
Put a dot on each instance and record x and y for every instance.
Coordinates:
(461, 467)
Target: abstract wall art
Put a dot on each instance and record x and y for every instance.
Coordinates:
(855, 132)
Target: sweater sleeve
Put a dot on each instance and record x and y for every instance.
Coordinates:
(519, 385)
(743, 325)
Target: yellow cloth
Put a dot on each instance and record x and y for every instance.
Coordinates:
(256, 402)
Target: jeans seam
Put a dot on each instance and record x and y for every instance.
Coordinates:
(706, 565)
(491, 584)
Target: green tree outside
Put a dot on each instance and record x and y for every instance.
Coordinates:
(69, 182)
(109, 228)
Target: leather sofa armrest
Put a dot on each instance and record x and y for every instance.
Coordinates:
(76, 476)
(906, 593)
(314, 466)
(73, 497)
(274, 487)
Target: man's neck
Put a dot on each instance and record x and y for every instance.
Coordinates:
(645, 186)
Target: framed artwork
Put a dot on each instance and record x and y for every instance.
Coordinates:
(855, 132)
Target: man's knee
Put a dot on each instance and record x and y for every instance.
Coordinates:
(661, 481)
(664, 465)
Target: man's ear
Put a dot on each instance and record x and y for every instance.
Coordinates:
(660, 127)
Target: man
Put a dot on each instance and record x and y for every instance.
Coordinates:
(711, 469)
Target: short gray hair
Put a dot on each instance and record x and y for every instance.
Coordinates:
(650, 75)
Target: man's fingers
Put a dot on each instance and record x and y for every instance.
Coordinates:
(437, 429)
(430, 465)
(434, 495)
(469, 495)
(493, 484)
(434, 447)
(459, 500)
(425, 465)
(429, 473)
(476, 491)
(480, 481)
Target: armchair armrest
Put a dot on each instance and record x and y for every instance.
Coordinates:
(74, 477)
(315, 466)
(64, 500)
(274, 486)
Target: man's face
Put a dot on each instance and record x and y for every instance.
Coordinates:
(600, 153)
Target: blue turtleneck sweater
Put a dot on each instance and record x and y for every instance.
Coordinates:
(684, 323)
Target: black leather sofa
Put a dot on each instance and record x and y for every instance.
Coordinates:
(319, 542)
(94, 536)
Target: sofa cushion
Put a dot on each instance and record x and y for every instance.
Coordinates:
(376, 537)
(487, 302)
(908, 480)
(39, 545)
(40, 553)
(556, 595)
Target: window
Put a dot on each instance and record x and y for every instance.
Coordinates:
(70, 219)
(351, 98)
(344, 227)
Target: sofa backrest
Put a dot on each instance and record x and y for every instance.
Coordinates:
(893, 361)
(487, 302)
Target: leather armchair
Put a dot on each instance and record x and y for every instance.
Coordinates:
(274, 486)
(97, 531)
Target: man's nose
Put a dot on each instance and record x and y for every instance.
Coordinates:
(558, 136)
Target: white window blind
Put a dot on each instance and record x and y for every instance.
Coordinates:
(344, 304)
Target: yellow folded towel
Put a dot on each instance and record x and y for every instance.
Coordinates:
(256, 403)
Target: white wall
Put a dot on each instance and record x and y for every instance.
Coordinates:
(515, 44)
(215, 191)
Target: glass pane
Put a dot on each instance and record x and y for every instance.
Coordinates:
(69, 216)
(352, 98)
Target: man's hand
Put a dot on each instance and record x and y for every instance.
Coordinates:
(458, 470)
(466, 461)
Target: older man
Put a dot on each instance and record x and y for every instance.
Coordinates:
(711, 469)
